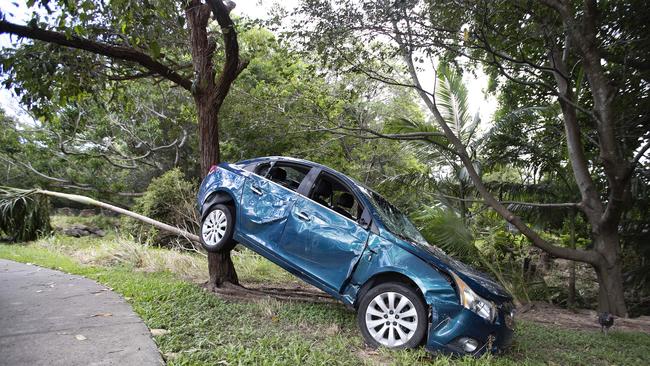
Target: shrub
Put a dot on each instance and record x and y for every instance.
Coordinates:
(169, 198)
(24, 215)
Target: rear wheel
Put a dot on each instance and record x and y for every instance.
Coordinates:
(217, 229)
(392, 315)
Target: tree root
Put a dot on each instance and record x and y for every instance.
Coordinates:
(239, 292)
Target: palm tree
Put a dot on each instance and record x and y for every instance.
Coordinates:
(446, 173)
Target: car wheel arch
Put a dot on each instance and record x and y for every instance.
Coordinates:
(217, 197)
(386, 277)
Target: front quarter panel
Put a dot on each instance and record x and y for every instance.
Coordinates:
(382, 256)
(448, 319)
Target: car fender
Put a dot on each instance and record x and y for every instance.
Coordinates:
(223, 185)
(382, 257)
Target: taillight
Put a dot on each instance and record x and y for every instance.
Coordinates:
(212, 169)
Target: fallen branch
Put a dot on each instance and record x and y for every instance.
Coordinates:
(89, 201)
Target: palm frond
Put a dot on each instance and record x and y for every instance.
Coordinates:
(401, 125)
(451, 99)
(24, 214)
(445, 228)
(433, 145)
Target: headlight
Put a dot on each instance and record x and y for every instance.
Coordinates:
(470, 300)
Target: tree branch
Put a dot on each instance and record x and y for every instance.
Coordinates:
(531, 204)
(233, 65)
(112, 51)
(557, 251)
(89, 201)
(64, 183)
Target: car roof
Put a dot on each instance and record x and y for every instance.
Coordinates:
(309, 163)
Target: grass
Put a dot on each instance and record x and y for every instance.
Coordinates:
(207, 330)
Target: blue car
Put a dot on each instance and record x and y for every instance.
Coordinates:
(350, 242)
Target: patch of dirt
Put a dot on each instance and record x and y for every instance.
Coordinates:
(581, 319)
(292, 292)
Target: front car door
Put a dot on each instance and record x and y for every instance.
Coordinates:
(322, 235)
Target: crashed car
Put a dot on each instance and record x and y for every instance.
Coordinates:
(350, 242)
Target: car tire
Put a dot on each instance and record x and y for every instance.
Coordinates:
(392, 315)
(217, 228)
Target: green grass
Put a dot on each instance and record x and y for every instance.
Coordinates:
(205, 329)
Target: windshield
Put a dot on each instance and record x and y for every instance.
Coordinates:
(394, 220)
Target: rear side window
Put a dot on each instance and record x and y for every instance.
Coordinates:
(287, 175)
(262, 169)
(331, 193)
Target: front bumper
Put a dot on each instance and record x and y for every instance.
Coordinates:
(450, 327)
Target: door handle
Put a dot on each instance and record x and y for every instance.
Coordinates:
(256, 190)
(303, 216)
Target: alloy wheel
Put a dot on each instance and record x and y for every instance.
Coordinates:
(214, 227)
(391, 319)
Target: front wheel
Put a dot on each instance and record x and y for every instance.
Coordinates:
(217, 229)
(392, 315)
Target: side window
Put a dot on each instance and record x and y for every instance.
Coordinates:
(331, 193)
(262, 169)
(250, 167)
(288, 175)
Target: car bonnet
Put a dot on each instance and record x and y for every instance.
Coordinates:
(484, 285)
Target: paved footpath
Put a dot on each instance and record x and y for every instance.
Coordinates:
(52, 318)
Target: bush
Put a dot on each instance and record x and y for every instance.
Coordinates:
(24, 215)
(169, 199)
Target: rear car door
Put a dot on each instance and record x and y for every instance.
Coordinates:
(266, 202)
(323, 236)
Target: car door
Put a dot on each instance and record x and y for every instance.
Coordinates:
(323, 243)
(266, 202)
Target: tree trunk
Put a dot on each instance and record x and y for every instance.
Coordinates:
(208, 96)
(611, 296)
(221, 269)
(605, 256)
(220, 265)
(581, 39)
(571, 301)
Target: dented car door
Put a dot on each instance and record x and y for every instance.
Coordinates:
(265, 209)
(322, 243)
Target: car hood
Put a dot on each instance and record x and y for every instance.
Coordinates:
(482, 283)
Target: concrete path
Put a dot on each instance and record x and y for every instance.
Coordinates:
(52, 318)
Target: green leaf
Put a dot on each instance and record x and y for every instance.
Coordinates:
(79, 30)
(155, 49)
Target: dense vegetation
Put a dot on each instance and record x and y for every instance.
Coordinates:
(107, 126)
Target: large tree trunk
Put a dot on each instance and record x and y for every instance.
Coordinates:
(605, 256)
(208, 96)
(582, 29)
(610, 290)
(610, 275)
(220, 265)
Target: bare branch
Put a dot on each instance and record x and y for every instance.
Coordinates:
(89, 201)
(68, 184)
(531, 204)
